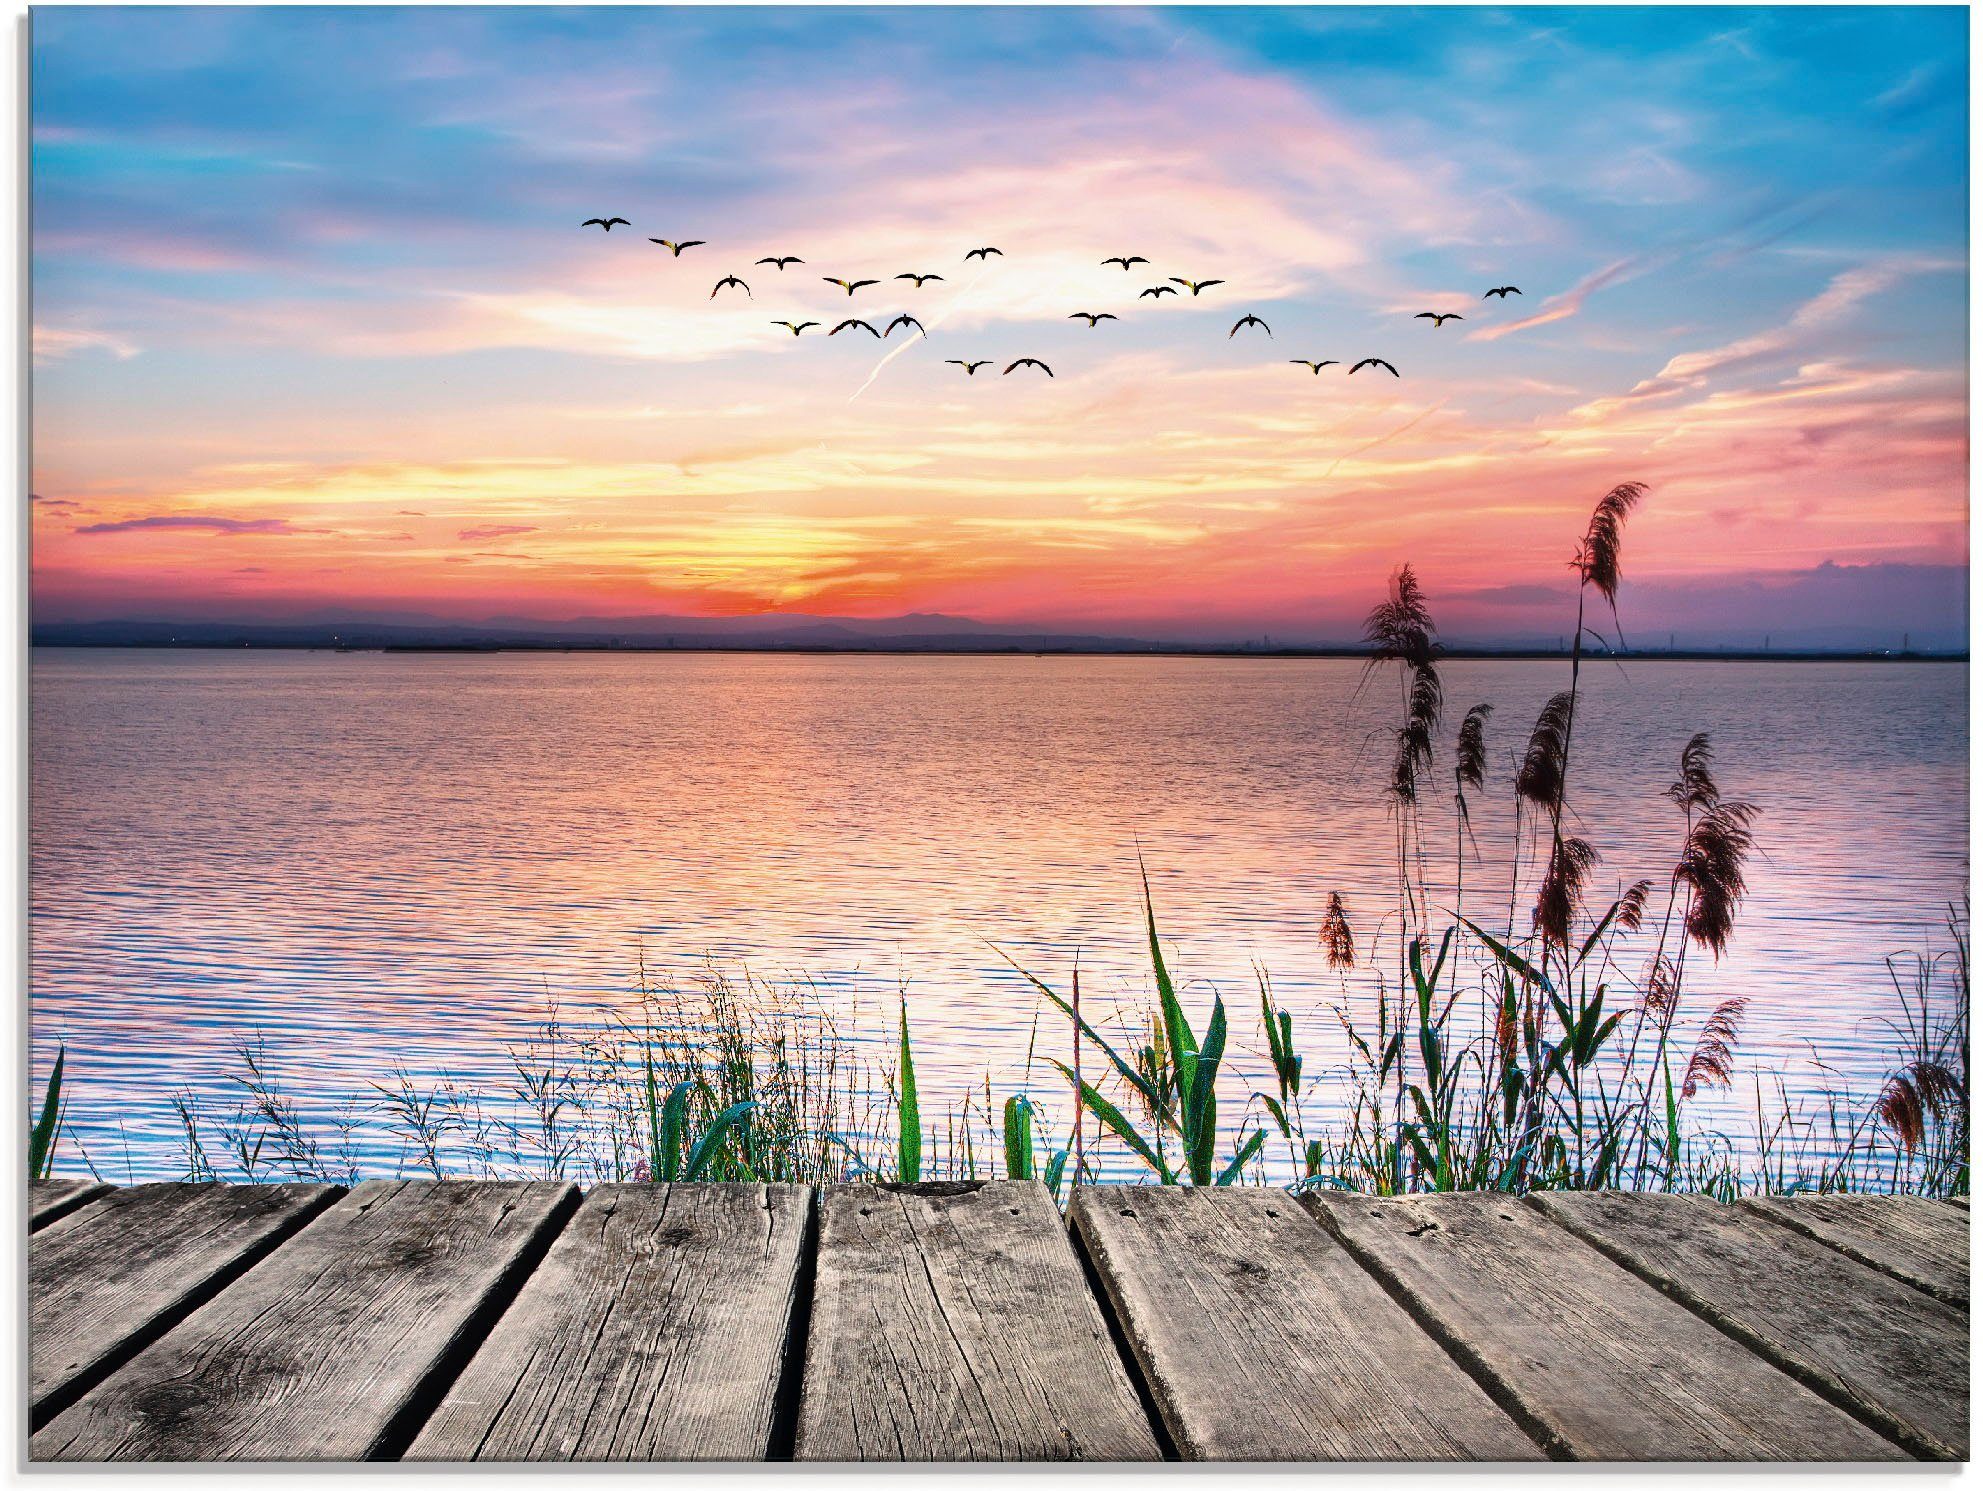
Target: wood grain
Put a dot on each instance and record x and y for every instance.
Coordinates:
(1913, 1239)
(1262, 1339)
(1598, 1364)
(952, 1322)
(58, 1196)
(1893, 1356)
(105, 1280)
(656, 1328)
(321, 1351)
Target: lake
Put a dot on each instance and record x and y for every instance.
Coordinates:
(392, 859)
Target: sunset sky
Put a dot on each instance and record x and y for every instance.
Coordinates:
(317, 330)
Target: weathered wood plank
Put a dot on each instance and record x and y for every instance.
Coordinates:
(656, 1328)
(1261, 1339)
(104, 1280)
(323, 1350)
(58, 1196)
(1595, 1362)
(952, 1322)
(1959, 1201)
(1888, 1353)
(1909, 1237)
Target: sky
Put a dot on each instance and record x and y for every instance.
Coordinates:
(318, 331)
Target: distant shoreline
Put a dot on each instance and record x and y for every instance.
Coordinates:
(1458, 653)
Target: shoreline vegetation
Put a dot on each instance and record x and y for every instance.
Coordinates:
(1532, 1034)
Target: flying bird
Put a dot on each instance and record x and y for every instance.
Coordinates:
(1194, 286)
(605, 222)
(1504, 291)
(850, 286)
(1125, 260)
(795, 326)
(983, 253)
(1375, 362)
(1436, 319)
(781, 260)
(1314, 367)
(731, 279)
(676, 248)
(919, 278)
(1028, 362)
(1156, 291)
(853, 322)
(905, 320)
(1091, 317)
(970, 368)
(1248, 320)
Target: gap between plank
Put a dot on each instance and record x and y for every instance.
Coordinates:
(1497, 1388)
(1119, 1335)
(1874, 1418)
(65, 1396)
(784, 1438)
(405, 1425)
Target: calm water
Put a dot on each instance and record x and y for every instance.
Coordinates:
(398, 859)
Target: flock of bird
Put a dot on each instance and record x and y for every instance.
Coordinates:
(783, 262)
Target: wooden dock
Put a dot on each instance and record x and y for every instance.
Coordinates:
(465, 1320)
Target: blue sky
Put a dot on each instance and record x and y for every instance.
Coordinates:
(321, 271)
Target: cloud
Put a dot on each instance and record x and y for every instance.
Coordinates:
(52, 343)
(494, 530)
(195, 521)
(1690, 371)
(1562, 307)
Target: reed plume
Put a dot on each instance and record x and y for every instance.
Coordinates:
(1695, 789)
(1597, 556)
(1662, 990)
(1712, 867)
(1562, 891)
(1400, 628)
(1712, 1063)
(1470, 766)
(1337, 942)
(1919, 1091)
(1414, 754)
(1632, 906)
(1540, 776)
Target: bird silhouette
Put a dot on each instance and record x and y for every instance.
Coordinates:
(983, 253)
(1194, 286)
(1375, 362)
(851, 321)
(1125, 260)
(731, 279)
(1315, 367)
(919, 278)
(850, 286)
(1504, 291)
(796, 326)
(781, 260)
(605, 222)
(1248, 320)
(1028, 362)
(970, 368)
(1091, 317)
(1436, 319)
(1156, 292)
(905, 320)
(676, 248)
